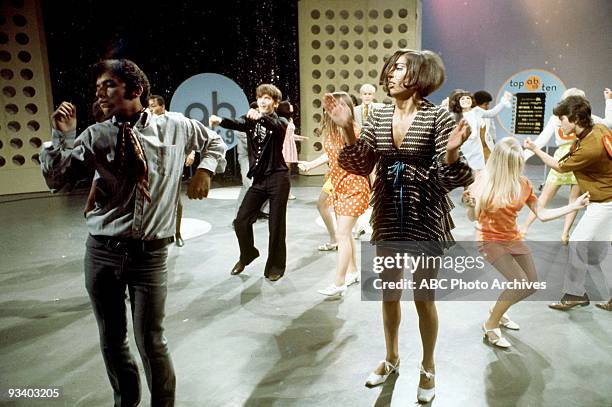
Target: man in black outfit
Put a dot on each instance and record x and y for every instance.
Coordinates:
(265, 135)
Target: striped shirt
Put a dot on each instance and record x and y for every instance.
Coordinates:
(410, 201)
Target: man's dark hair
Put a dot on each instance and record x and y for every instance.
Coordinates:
(160, 100)
(482, 96)
(577, 109)
(129, 73)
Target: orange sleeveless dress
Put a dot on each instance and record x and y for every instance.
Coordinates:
(351, 193)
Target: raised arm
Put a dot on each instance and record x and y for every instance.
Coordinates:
(582, 156)
(505, 103)
(361, 157)
(544, 137)
(63, 158)
(607, 120)
(239, 124)
(545, 214)
(358, 156)
(453, 170)
(546, 158)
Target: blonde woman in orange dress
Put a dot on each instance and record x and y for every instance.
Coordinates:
(322, 202)
(349, 199)
(494, 201)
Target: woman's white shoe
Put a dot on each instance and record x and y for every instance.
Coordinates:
(333, 291)
(498, 340)
(506, 322)
(328, 247)
(426, 395)
(375, 379)
(351, 278)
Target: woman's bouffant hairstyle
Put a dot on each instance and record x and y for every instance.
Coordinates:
(424, 75)
(577, 109)
(453, 100)
(127, 72)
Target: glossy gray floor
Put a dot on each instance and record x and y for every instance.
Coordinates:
(245, 341)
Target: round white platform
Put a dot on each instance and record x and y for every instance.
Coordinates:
(191, 228)
(229, 193)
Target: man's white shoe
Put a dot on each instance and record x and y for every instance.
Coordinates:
(351, 278)
(375, 379)
(333, 291)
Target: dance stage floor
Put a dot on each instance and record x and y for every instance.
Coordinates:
(244, 341)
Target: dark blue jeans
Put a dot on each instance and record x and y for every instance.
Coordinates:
(108, 272)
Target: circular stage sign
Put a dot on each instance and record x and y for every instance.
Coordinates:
(536, 92)
(209, 93)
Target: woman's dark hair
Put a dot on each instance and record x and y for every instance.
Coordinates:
(453, 100)
(127, 72)
(284, 109)
(577, 109)
(424, 75)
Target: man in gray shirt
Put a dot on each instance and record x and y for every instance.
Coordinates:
(139, 159)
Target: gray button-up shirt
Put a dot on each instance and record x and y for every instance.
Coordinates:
(121, 209)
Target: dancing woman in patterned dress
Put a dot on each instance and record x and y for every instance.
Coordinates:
(415, 151)
(349, 199)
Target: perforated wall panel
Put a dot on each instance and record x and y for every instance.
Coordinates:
(25, 96)
(344, 44)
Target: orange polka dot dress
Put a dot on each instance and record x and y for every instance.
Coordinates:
(351, 193)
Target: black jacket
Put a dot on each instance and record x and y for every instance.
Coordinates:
(265, 139)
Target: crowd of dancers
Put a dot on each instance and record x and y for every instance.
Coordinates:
(397, 162)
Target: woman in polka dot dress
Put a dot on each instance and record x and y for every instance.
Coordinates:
(349, 199)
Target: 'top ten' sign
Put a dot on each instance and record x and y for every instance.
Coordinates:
(209, 93)
(536, 92)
